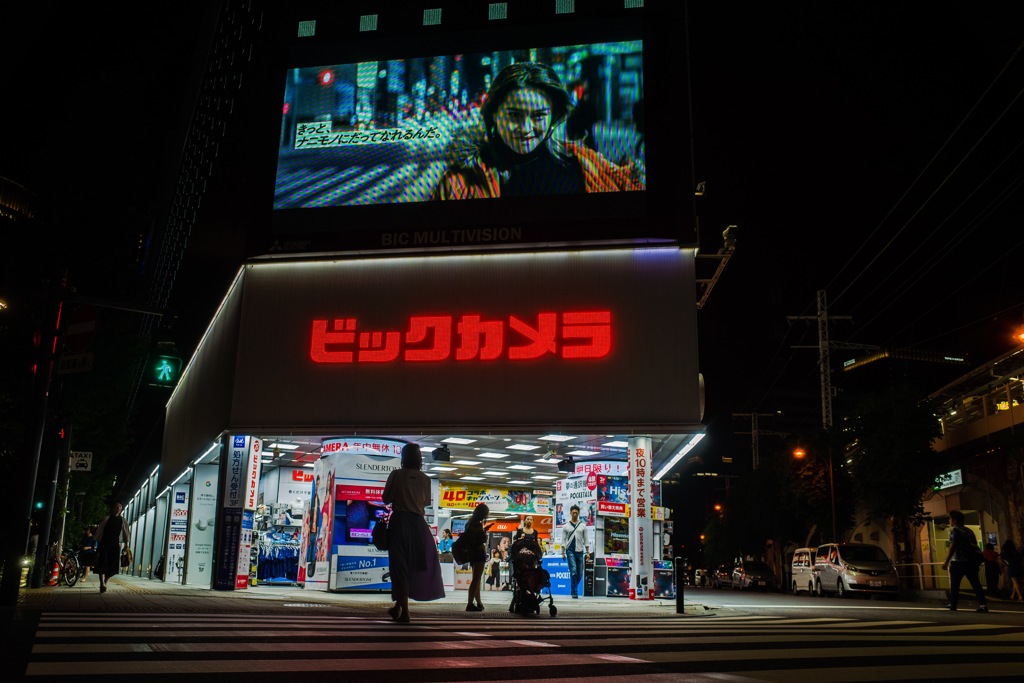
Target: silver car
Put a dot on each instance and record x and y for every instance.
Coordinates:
(846, 568)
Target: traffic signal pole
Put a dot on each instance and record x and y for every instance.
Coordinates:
(21, 533)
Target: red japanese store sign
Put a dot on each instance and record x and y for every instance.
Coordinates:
(494, 341)
(570, 335)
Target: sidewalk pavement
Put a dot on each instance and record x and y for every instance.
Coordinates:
(131, 593)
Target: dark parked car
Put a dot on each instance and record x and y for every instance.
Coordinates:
(753, 574)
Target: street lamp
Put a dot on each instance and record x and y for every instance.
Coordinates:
(800, 454)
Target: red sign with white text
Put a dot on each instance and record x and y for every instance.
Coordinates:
(349, 492)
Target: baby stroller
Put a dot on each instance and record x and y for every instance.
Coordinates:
(529, 579)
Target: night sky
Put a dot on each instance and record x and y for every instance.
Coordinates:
(871, 150)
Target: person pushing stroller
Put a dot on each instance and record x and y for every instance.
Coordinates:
(529, 578)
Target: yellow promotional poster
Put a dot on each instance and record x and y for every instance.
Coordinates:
(497, 499)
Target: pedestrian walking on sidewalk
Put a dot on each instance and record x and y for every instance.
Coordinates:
(993, 569)
(575, 548)
(1011, 557)
(475, 538)
(412, 555)
(963, 559)
(111, 532)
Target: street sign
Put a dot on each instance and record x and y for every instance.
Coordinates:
(81, 461)
(69, 363)
(81, 329)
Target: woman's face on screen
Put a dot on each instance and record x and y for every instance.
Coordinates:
(523, 120)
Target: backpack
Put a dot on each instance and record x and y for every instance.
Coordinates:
(968, 545)
(461, 552)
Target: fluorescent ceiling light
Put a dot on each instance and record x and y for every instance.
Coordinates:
(557, 437)
(493, 456)
(521, 467)
(457, 440)
(429, 474)
(308, 464)
(548, 461)
(439, 468)
(519, 481)
(547, 477)
(284, 446)
(496, 473)
(616, 444)
(427, 449)
(522, 447)
(694, 440)
(465, 462)
(468, 478)
(583, 452)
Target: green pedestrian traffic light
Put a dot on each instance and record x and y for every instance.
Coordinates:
(164, 371)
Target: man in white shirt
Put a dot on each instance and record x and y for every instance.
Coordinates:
(575, 547)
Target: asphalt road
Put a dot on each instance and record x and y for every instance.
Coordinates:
(145, 630)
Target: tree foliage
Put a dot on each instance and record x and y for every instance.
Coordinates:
(890, 455)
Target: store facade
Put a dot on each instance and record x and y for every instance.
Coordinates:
(364, 354)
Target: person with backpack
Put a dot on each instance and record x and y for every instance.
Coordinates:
(473, 549)
(963, 559)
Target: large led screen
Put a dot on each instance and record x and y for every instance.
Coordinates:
(527, 138)
(514, 123)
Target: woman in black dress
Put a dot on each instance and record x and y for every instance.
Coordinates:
(527, 531)
(412, 556)
(475, 536)
(111, 532)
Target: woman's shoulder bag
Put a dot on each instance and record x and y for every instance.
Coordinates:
(379, 536)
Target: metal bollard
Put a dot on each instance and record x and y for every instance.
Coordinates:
(679, 585)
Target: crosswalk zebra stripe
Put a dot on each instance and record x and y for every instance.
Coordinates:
(311, 188)
(198, 644)
(910, 672)
(307, 664)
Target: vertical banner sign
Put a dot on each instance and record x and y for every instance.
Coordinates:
(236, 472)
(178, 534)
(318, 527)
(641, 529)
(201, 520)
(252, 485)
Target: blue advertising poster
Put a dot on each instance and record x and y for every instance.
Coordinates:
(559, 571)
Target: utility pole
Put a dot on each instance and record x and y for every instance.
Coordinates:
(824, 368)
(755, 432)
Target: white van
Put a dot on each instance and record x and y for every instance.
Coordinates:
(845, 568)
(802, 571)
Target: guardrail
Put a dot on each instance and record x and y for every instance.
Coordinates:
(926, 576)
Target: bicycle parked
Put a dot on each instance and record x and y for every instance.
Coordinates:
(69, 568)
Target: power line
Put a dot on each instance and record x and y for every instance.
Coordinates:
(931, 161)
